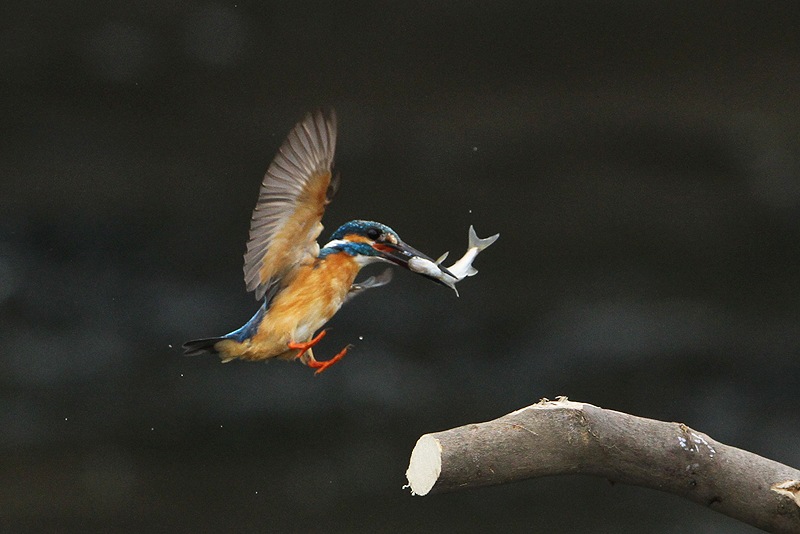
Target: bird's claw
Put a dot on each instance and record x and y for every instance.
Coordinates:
(304, 346)
(321, 366)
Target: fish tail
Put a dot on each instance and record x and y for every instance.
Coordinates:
(478, 243)
(196, 347)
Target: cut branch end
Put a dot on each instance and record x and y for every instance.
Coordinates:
(425, 465)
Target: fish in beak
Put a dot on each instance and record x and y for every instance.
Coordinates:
(407, 256)
(459, 270)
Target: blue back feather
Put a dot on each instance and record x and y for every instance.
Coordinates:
(250, 327)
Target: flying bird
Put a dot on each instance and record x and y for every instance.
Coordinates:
(301, 285)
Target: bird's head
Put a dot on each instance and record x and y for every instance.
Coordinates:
(368, 242)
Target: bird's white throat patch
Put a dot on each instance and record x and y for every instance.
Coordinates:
(334, 243)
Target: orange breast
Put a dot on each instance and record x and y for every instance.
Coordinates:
(314, 295)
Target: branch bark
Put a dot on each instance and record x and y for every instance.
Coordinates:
(565, 437)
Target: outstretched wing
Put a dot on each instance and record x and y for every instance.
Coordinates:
(295, 190)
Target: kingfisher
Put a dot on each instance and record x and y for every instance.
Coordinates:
(300, 285)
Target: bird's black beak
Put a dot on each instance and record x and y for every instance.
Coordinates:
(401, 253)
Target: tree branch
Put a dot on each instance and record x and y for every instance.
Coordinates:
(564, 437)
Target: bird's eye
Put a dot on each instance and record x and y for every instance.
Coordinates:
(373, 233)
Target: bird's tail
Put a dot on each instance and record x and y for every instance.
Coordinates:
(201, 346)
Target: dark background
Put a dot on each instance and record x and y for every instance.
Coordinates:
(639, 159)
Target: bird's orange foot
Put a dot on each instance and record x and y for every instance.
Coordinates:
(321, 366)
(303, 347)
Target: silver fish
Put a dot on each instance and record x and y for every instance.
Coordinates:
(460, 269)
